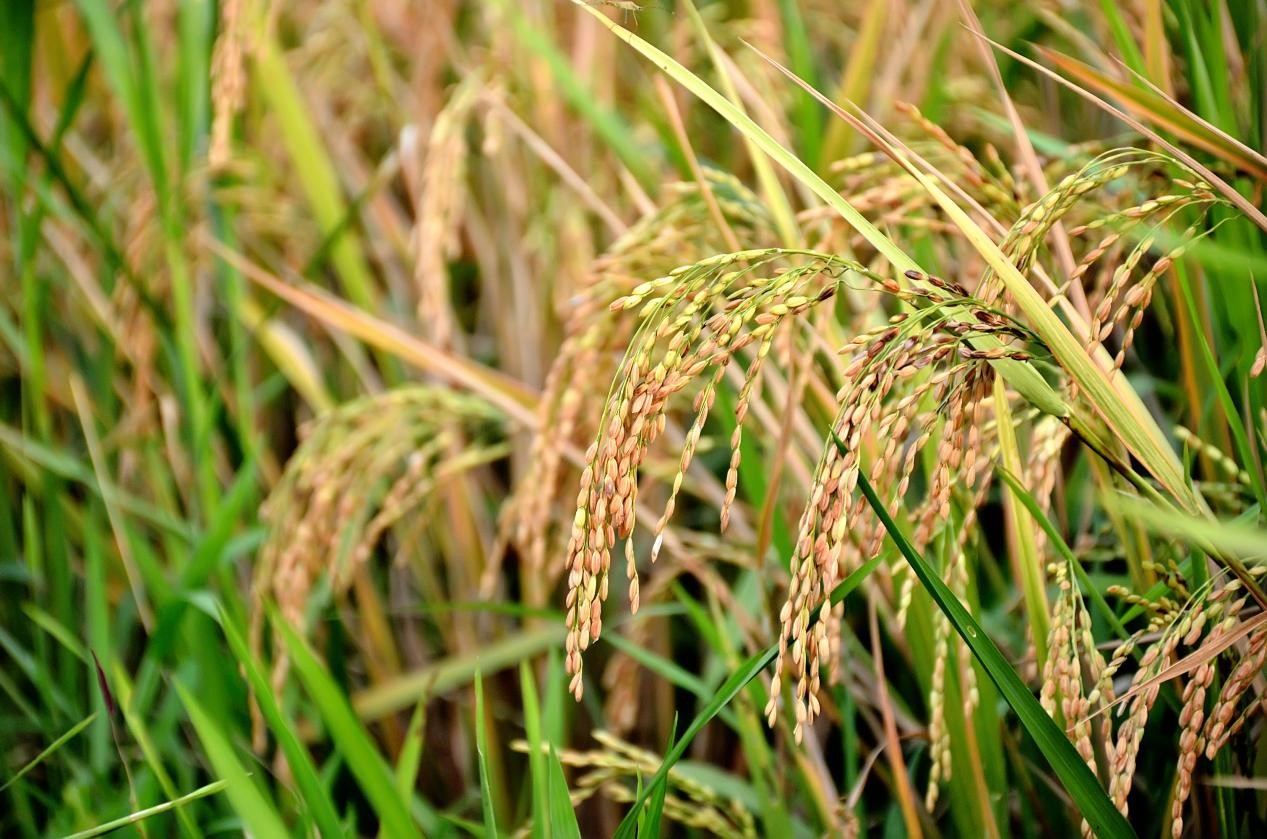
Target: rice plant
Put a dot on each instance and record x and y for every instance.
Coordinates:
(904, 358)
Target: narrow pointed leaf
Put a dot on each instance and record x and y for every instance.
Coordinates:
(1078, 780)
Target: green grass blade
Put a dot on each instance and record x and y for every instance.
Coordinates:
(1122, 35)
(363, 758)
(1057, 541)
(859, 75)
(65, 466)
(554, 706)
(481, 752)
(17, 40)
(800, 53)
(104, 25)
(661, 666)
(311, 792)
(240, 495)
(727, 692)
(650, 823)
(150, 735)
(411, 751)
(536, 756)
(722, 697)
(141, 815)
(390, 696)
(1234, 423)
(50, 750)
(55, 628)
(1229, 538)
(749, 128)
(196, 27)
(207, 555)
(259, 815)
(1079, 781)
(771, 190)
(563, 823)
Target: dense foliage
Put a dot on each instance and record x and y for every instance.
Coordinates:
(904, 358)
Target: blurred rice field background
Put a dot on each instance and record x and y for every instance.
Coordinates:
(562, 418)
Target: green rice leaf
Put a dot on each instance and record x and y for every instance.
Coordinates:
(481, 752)
(722, 697)
(650, 823)
(562, 815)
(141, 815)
(256, 811)
(50, 750)
(536, 756)
(1078, 780)
(363, 758)
(316, 799)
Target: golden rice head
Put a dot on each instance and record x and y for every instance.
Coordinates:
(929, 355)
(596, 335)
(360, 469)
(438, 184)
(1209, 615)
(692, 323)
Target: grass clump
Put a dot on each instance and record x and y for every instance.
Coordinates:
(911, 372)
